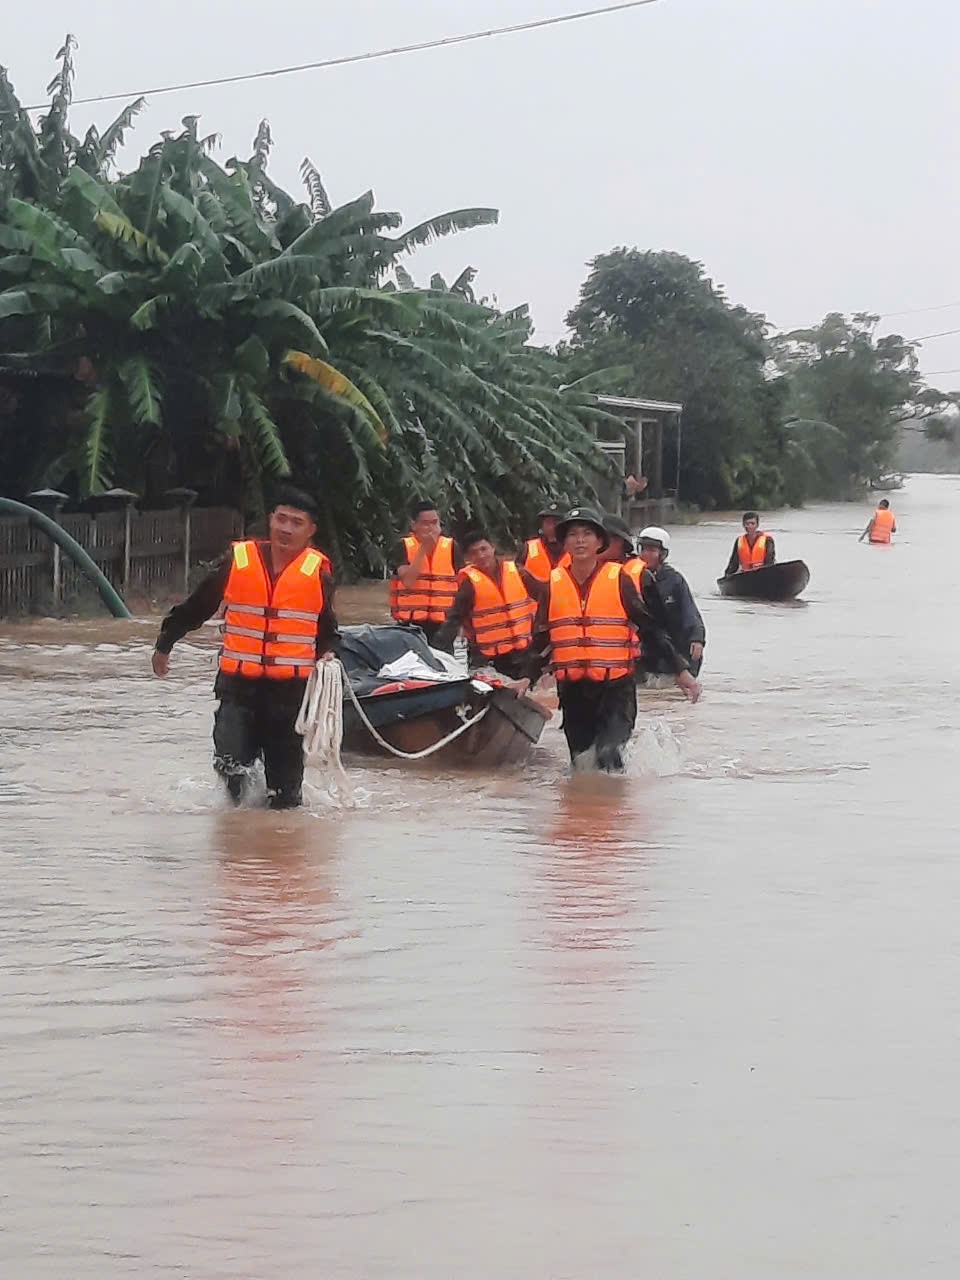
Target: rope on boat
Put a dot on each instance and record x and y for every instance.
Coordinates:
(320, 721)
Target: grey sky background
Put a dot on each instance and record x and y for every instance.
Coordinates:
(803, 150)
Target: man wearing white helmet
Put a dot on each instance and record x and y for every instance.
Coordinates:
(682, 615)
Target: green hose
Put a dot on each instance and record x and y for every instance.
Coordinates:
(73, 549)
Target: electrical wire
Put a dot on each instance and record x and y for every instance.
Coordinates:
(925, 337)
(444, 42)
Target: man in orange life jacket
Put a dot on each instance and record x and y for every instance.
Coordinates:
(424, 582)
(541, 554)
(588, 615)
(495, 606)
(882, 526)
(279, 622)
(753, 549)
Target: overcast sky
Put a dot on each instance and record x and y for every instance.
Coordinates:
(803, 150)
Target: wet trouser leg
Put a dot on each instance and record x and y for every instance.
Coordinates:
(235, 742)
(280, 743)
(599, 714)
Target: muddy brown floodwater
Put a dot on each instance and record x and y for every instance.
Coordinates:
(700, 1022)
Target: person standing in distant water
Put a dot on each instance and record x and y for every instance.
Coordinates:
(752, 550)
(543, 553)
(425, 576)
(882, 526)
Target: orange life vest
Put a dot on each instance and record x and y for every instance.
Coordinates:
(326, 564)
(537, 561)
(883, 522)
(502, 617)
(270, 629)
(432, 595)
(751, 557)
(635, 569)
(592, 641)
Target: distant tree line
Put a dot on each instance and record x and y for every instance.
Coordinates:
(191, 323)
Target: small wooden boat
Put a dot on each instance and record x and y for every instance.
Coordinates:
(771, 582)
(416, 714)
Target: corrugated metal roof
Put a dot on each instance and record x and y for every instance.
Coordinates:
(639, 406)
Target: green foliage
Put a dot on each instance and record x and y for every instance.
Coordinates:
(672, 331)
(167, 302)
(840, 373)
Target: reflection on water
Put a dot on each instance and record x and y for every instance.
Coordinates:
(274, 910)
(698, 1021)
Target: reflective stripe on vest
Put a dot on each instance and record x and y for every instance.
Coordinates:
(883, 522)
(537, 561)
(271, 629)
(502, 616)
(635, 569)
(592, 640)
(432, 595)
(752, 557)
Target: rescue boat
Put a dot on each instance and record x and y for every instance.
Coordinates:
(403, 694)
(770, 582)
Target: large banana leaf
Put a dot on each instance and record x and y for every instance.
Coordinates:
(337, 384)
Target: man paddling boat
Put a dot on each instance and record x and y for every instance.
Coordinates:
(279, 622)
(587, 617)
(753, 549)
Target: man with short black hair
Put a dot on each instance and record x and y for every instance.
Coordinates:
(495, 606)
(279, 622)
(753, 549)
(424, 582)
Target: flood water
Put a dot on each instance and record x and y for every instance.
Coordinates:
(700, 1022)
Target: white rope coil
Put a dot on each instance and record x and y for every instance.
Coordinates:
(320, 722)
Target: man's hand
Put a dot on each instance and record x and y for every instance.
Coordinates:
(696, 651)
(160, 663)
(429, 542)
(690, 687)
(326, 657)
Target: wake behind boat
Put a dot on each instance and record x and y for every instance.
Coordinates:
(782, 581)
(418, 702)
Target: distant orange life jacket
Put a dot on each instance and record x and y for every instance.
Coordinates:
(538, 563)
(884, 522)
(270, 629)
(432, 595)
(592, 640)
(502, 617)
(751, 557)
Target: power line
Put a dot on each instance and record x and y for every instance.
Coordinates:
(371, 56)
(946, 333)
(916, 311)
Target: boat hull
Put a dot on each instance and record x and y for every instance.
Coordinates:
(414, 719)
(771, 582)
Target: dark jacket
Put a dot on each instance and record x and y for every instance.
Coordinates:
(680, 609)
